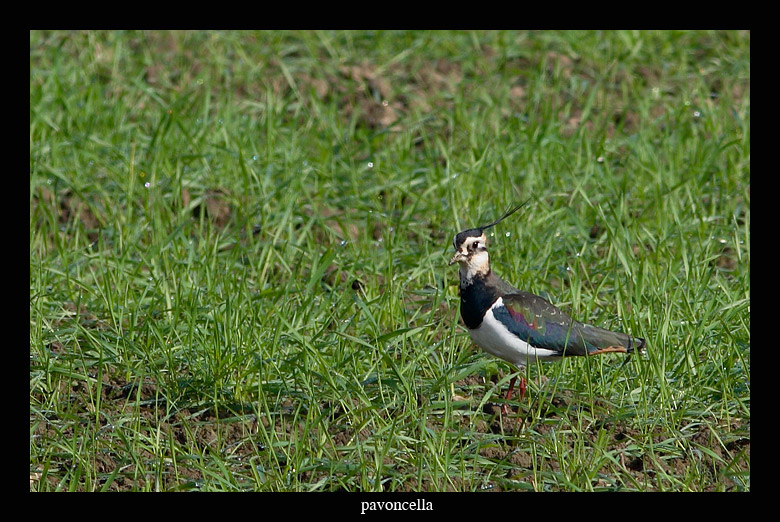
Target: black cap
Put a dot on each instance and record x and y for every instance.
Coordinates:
(476, 232)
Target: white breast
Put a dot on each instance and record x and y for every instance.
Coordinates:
(493, 337)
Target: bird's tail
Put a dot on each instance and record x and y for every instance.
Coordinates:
(636, 343)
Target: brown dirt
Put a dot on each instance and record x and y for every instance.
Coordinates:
(199, 430)
(717, 454)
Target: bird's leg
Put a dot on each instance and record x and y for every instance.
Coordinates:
(511, 387)
(522, 395)
(504, 409)
(508, 395)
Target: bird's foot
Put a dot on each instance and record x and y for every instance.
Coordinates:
(504, 407)
(506, 413)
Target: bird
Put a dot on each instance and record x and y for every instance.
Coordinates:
(517, 326)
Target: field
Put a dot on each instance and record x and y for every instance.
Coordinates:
(239, 246)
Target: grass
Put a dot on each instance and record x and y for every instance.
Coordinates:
(238, 247)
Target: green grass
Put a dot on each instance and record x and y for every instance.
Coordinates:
(239, 245)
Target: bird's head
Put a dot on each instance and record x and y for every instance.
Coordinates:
(471, 250)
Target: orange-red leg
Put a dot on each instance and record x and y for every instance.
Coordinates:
(508, 396)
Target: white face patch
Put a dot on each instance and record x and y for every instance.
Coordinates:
(493, 337)
(473, 243)
(475, 258)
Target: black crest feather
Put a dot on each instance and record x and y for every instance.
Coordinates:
(508, 213)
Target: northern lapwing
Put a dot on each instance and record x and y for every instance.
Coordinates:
(518, 326)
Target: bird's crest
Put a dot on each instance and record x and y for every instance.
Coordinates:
(461, 237)
(508, 213)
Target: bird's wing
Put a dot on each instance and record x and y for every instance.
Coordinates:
(542, 325)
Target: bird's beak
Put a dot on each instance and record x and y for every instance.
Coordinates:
(457, 257)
